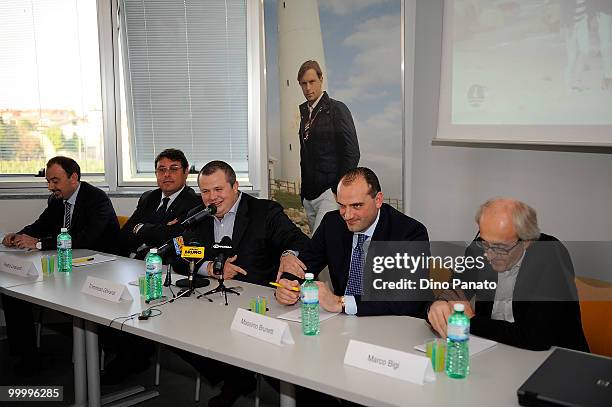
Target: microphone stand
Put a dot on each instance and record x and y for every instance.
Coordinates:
(168, 280)
(221, 288)
(191, 288)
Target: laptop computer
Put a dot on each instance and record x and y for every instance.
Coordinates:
(569, 378)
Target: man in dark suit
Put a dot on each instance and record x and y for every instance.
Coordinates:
(159, 212)
(328, 144)
(84, 209)
(261, 233)
(535, 302)
(341, 242)
(91, 221)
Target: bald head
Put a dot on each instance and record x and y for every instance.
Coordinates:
(506, 223)
(496, 221)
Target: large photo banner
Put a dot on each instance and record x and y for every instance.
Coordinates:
(346, 107)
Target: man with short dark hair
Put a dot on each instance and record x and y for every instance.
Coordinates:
(262, 238)
(77, 205)
(328, 144)
(341, 243)
(160, 211)
(88, 214)
(534, 304)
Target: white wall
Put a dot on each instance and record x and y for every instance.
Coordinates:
(572, 191)
(16, 213)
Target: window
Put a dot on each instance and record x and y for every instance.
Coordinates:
(184, 82)
(50, 97)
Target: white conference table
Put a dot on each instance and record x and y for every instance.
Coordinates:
(201, 327)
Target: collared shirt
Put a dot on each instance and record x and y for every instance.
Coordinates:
(502, 304)
(350, 305)
(223, 227)
(316, 102)
(72, 201)
(172, 198)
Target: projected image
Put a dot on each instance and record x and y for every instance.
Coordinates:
(546, 62)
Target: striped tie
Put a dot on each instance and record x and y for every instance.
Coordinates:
(67, 206)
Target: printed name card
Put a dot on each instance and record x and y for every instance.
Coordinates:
(262, 327)
(390, 362)
(19, 267)
(108, 290)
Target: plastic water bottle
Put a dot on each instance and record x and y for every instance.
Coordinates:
(64, 251)
(457, 337)
(310, 306)
(153, 275)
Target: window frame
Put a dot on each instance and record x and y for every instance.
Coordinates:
(112, 180)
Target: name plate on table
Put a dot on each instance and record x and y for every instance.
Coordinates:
(19, 267)
(108, 290)
(389, 362)
(262, 327)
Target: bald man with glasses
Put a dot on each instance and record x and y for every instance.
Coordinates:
(535, 302)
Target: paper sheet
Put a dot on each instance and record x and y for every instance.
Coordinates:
(296, 315)
(476, 345)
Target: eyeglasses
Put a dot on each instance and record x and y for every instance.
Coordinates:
(498, 249)
(173, 169)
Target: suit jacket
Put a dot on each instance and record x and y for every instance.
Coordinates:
(331, 149)
(331, 246)
(262, 231)
(544, 302)
(93, 225)
(155, 234)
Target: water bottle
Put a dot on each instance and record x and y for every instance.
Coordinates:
(457, 337)
(153, 275)
(310, 306)
(64, 251)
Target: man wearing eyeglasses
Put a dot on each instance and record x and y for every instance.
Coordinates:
(328, 144)
(534, 304)
(159, 212)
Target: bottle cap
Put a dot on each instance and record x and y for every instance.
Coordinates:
(63, 230)
(309, 276)
(459, 307)
(153, 250)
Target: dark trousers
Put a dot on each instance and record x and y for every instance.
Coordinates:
(19, 326)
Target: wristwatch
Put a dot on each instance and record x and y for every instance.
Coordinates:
(342, 302)
(39, 245)
(137, 228)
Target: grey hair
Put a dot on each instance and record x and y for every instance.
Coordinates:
(524, 217)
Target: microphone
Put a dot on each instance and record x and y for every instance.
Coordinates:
(197, 217)
(224, 250)
(194, 255)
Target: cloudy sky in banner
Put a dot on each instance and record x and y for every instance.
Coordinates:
(362, 43)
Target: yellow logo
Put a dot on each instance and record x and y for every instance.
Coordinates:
(192, 252)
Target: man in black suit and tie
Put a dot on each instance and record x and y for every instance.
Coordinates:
(341, 242)
(535, 303)
(88, 214)
(262, 236)
(159, 212)
(84, 209)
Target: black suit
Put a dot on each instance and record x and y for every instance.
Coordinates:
(93, 224)
(262, 231)
(331, 246)
(155, 232)
(546, 273)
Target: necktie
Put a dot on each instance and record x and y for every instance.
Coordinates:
(353, 287)
(67, 206)
(161, 211)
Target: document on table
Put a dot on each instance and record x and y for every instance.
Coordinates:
(296, 315)
(476, 345)
(93, 259)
